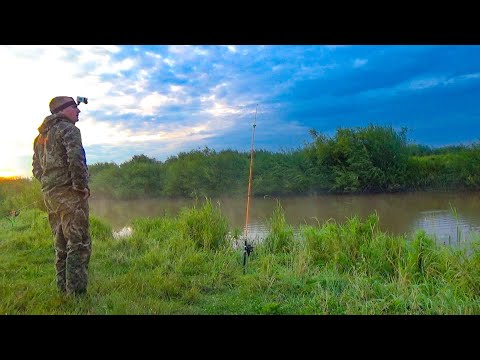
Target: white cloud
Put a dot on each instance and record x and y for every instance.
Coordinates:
(150, 103)
(32, 75)
(115, 68)
(312, 72)
(154, 55)
(118, 134)
(176, 88)
(462, 78)
(420, 84)
(187, 52)
(359, 63)
(217, 107)
(207, 98)
(95, 49)
(221, 109)
(169, 62)
(472, 76)
(141, 83)
(178, 49)
(424, 83)
(201, 52)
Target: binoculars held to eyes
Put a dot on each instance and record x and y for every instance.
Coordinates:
(81, 99)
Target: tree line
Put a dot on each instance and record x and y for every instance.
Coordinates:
(354, 160)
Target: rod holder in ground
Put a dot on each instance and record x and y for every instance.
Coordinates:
(247, 250)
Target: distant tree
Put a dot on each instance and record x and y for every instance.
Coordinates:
(373, 158)
(419, 150)
(140, 159)
(97, 168)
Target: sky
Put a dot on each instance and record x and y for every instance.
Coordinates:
(160, 100)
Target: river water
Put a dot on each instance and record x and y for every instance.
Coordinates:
(452, 218)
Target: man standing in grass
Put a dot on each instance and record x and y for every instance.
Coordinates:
(60, 165)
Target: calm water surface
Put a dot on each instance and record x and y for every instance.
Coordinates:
(451, 217)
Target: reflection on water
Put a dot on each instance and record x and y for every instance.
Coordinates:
(446, 227)
(257, 231)
(450, 217)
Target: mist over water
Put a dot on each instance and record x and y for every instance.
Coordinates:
(451, 217)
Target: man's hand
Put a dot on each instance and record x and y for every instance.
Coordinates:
(85, 191)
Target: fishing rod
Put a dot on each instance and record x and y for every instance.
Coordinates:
(248, 248)
(14, 213)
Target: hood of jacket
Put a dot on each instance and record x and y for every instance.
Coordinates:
(49, 121)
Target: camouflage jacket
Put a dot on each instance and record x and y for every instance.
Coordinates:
(58, 155)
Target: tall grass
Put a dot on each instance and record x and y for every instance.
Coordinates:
(20, 194)
(204, 225)
(280, 236)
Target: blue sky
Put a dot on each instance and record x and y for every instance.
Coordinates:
(160, 100)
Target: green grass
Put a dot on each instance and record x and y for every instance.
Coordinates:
(186, 265)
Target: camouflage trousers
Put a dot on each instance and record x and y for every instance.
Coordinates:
(68, 216)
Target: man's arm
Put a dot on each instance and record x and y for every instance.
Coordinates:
(77, 163)
(37, 167)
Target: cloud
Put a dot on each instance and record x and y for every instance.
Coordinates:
(159, 140)
(161, 98)
(425, 83)
(359, 63)
(220, 109)
(151, 103)
(169, 62)
(185, 53)
(32, 75)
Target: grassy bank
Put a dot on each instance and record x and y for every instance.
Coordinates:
(187, 265)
